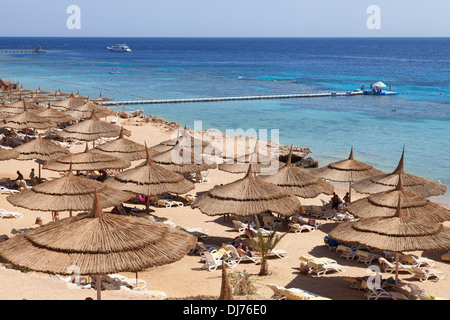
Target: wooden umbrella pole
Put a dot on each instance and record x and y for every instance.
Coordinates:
(350, 191)
(147, 204)
(99, 288)
(397, 255)
(70, 213)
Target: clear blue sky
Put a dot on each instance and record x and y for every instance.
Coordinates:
(226, 18)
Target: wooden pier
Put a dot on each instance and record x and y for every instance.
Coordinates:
(191, 100)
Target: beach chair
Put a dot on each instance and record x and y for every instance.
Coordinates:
(379, 293)
(424, 274)
(347, 252)
(236, 257)
(204, 177)
(446, 257)
(299, 294)
(298, 228)
(278, 253)
(212, 264)
(321, 267)
(366, 257)
(269, 223)
(331, 243)
(242, 226)
(198, 232)
(417, 261)
(10, 214)
(7, 190)
(415, 291)
(390, 266)
(133, 284)
(279, 293)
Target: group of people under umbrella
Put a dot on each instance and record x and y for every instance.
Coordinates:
(395, 217)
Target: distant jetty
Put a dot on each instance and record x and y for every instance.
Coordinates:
(23, 51)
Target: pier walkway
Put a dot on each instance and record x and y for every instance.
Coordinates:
(266, 97)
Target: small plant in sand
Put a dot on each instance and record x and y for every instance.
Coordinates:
(264, 245)
(242, 284)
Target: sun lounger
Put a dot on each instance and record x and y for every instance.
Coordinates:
(347, 252)
(269, 223)
(377, 293)
(279, 293)
(212, 264)
(298, 228)
(417, 261)
(446, 257)
(133, 284)
(331, 243)
(320, 267)
(366, 257)
(10, 214)
(204, 177)
(241, 226)
(198, 232)
(7, 190)
(391, 266)
(278, 253)
(168, 203)
(299, 294)
(322, 259)
(236, 257)
(424, 274)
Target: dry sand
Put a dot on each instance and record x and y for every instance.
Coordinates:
(186, 278)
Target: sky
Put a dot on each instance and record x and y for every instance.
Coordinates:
(226, 18)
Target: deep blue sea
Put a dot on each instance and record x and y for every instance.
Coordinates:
(376, 126)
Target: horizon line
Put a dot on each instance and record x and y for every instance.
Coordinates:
(237, 37)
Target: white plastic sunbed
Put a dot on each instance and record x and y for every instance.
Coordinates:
(10, 214)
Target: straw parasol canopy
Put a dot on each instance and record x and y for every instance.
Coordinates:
(262, 164)
(79, 96)
(247, 197)
(396, 234)
(122, 148)
(55, 115)
(150, 179)
(384, 204)
(68, 193)
(55, 98)
(97, 243)
(69, 103)
(86, 161)
(39, 91)
(187, 141)
(414, 184)
(61, 94)
(85, 111)
(349, 170)
(298, 182)
(3, 115)
(40, 149)
(183, 160)
(6, 154)
(26, 120)
(91, 129)
(101, 98)
(18, 107)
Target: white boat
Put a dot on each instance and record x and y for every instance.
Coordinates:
(119, 48)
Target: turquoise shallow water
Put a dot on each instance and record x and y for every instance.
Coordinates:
(377, 127)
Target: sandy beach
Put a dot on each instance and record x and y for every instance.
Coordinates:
(186, 278)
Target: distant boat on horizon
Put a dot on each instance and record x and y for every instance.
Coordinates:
(119, 48)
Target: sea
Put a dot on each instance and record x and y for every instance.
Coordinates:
(377, 127)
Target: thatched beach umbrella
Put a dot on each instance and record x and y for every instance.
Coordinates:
(395, 234)
(26, 120)
(97, 244)
(183, 160)
(101, 98)
(79, 96)
(68, 103)
(150, 179)
(86, 161)
(55, 115)
(384, 204)
(188, 141)
(61, 94)
(92, 129)
(262, 164)
(349, 170)
(414, 184)
(85, 111)
(40, 149)
(248, 197)
(39, 91)
(297, 181)
(68, 193)
(19, 106)
(6, 154)
(122, 148)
